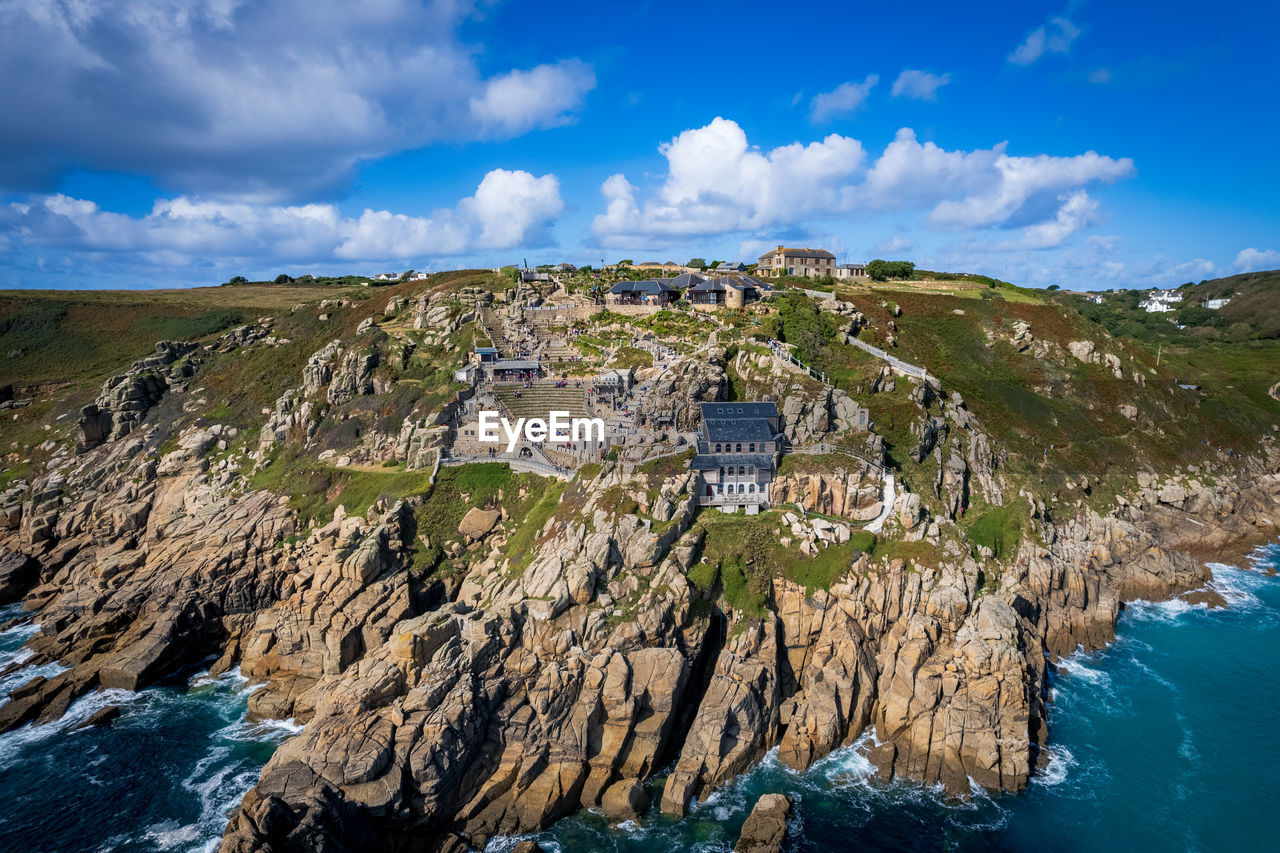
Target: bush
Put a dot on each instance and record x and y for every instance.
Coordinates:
(880, 270)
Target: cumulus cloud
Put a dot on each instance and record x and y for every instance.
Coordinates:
(1054, 37)
(1077, 211)
(981, 188)
(508, 209)
(1253, 260)
(842, 100)
(920, 85)
(267, 100)
(545, 96)
(717, 183)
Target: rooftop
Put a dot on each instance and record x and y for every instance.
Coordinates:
(738, 429)
(712, 461)
(715, 411)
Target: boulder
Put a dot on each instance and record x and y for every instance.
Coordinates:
(765, 830)
(477, 523)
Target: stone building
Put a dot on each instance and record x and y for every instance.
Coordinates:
(738, 448)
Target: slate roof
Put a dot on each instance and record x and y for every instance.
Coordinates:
(713, 461)
(648, 287)
(745, 429)
(715, 411)
(685, 280)
(800, 253)
(516, 364)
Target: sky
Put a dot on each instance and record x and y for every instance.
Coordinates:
(169, 143)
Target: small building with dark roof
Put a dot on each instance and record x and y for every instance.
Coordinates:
(735, 291)
(738, 448)
(647, 292)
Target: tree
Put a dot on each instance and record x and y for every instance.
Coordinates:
(283, 278)
(1054, 287)
(697, 263)
(239, 279)
(510, 273)
(626, 262)
(881, 270)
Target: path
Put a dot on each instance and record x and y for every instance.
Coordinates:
(890, 494)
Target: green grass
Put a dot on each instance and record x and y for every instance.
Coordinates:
(997, 529)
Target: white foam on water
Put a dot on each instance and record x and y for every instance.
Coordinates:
(1076, 668)
(1058, 769)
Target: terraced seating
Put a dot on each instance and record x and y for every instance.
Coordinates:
(537, 401)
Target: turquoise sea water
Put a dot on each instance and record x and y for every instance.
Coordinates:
(1167, 740)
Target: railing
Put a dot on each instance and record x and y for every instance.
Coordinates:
(825, 448)
(897, 363)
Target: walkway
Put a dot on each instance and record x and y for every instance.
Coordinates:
(890, 495)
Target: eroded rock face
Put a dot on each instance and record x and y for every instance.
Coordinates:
(567, 675)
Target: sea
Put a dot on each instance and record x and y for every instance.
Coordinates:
(1169, 739)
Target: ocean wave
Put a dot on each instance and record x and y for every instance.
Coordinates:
(1058, 768)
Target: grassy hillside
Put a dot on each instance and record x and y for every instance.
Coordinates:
(59, 336)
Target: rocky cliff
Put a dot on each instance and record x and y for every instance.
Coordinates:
(562, 659)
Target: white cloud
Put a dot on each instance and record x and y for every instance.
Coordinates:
(1253, 260)
(717, 183)
(544, 96)
(842, 100)
(262, 100)
(1100, 75)
(508, 209)
(1077, 211)
(981, 188)
(1054, 37)
(894, 245)
(920, 85)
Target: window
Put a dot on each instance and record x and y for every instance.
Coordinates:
(720, 489)
(751, 469)
(751, 448)
(738, 447)
(742, 470)
(753, 488)
(722, 472)
(730, 488)
(717, 448)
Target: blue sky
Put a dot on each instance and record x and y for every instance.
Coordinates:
(152, 143)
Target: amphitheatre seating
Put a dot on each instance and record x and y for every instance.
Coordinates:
(537, 401)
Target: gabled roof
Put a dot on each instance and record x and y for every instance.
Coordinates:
(685, 280)
(800, 253)
(648, 287)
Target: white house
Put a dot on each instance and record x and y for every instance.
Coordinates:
(1215, 304)
(1161, 301)
(851, 271)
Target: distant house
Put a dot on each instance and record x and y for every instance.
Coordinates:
(387, 276)
(420, 276)
(670, 267)
(851, 271)
(1095, 298)
(1161, 301)
(727, 291)
(1215, 304)
(731, 267)
(737, 455)
(802, 262)
(648, 292)
(533, 275)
